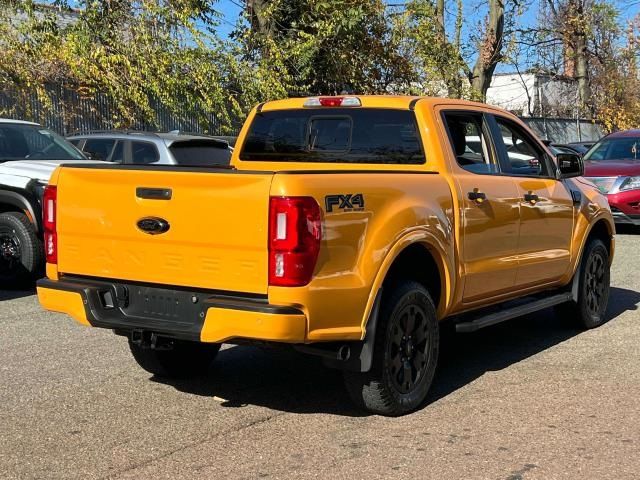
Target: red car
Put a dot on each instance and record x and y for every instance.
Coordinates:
(613, 164)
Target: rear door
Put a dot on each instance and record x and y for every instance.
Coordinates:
(217, 225)
(490, 208)
(546, 206)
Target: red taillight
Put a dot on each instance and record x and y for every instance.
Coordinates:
(294, 240)
(49, 220)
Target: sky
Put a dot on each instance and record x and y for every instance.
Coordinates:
(231, 9)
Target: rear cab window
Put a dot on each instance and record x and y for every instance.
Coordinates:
(200, 152)
(334, 135)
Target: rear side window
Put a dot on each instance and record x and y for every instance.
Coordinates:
(200, 153)
(469, 142)
(144, 152)
(334, 135)
(117, 156)
(99, 148)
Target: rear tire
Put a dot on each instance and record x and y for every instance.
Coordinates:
(593, 288)
(405, 354)
(185, 359)
(21, 251)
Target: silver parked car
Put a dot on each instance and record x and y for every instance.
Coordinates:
(171, 148)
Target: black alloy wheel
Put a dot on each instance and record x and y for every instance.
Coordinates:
(593, 277)
(405, 353)
(407, 349)
(10, 252)
(594, 289)
(21, 252)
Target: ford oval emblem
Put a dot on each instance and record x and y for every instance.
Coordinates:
(153, 225)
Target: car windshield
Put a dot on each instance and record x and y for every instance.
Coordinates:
(33, 142)
(623, 148)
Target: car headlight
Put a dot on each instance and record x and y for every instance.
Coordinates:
(630, 183)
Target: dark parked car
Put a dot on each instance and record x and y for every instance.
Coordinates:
(557, 148)
(172, 148)
(613, 164)
(581, 147)
(29, 153)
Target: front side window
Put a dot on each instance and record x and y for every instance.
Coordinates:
(521, 155)
(334, 135)
(32, 142)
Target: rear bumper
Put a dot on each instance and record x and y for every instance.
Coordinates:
(181, 314)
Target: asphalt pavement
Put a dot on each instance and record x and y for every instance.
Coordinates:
(533, 398)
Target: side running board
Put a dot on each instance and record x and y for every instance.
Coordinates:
(481, 321)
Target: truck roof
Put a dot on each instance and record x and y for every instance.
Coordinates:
(372, 101)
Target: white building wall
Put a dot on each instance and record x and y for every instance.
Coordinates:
(513, 92)
(533, 95)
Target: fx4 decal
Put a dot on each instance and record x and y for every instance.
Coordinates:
(349, 202)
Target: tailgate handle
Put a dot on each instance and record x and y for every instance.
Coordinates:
(153, 193)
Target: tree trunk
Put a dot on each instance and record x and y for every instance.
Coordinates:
(259, 22)
(490, 49)
(440, 19)
(582, 63)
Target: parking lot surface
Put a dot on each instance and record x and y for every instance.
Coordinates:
(531, 398)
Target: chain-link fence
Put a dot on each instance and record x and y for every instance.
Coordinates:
(66, 111)
(565, 130)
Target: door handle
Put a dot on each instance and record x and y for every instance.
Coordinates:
(477, 196)
(154, 193)
(531, 197)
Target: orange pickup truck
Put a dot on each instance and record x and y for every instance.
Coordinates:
(348, 227)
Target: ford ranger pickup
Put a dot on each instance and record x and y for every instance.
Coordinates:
(348, 227)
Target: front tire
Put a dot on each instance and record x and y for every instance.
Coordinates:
(185, 359)
(405, 354)
(21, 252)
(593, 288)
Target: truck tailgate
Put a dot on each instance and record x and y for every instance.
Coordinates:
(217, 226)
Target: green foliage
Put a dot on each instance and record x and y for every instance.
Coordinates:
(138, 53)
(325, 47)
(141, 53)
(439, 68)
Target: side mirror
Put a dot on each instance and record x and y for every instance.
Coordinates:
(569, 165)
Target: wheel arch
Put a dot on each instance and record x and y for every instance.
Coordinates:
(415, 248)
(14, 202)
(601, 229)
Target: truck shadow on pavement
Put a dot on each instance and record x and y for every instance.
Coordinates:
(13, 294)
(284, 380)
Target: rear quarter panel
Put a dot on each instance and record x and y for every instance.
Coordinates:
(358, 246)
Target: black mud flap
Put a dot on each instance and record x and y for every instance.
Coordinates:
(361, 353)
